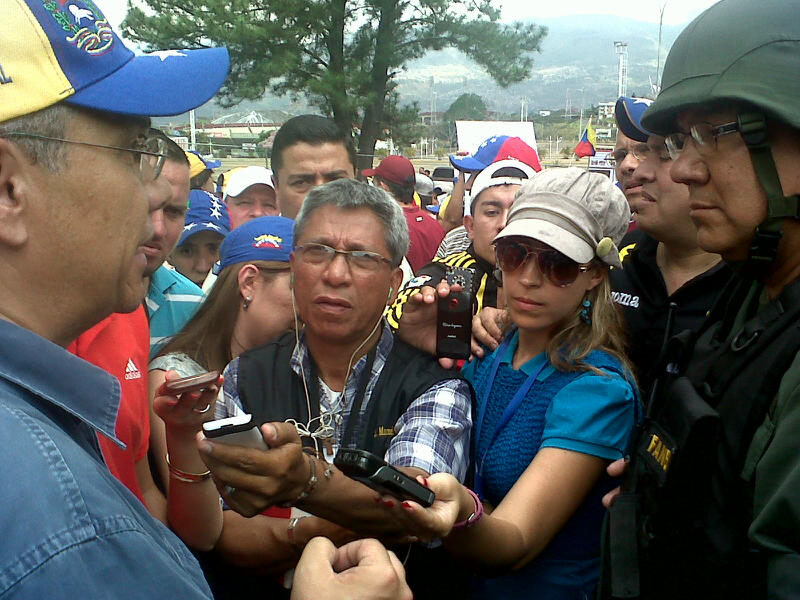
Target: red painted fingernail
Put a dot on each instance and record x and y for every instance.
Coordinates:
(425, 481)
(407, 504)
(377, 498)
(388, 503)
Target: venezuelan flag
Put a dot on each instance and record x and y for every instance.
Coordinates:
(587, 143)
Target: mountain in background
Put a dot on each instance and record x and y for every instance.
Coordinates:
(577, 66)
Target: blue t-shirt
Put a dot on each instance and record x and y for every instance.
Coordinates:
(171, 301)
(580, 411)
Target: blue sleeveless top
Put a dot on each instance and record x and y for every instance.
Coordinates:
(579, 411)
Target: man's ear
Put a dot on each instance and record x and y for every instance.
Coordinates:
(396, 283)
(468, 225)
(16, 191)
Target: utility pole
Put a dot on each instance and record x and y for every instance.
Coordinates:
(622, 82)
(658, 60)
(192, 134)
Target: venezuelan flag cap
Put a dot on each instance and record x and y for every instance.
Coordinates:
(64, 50)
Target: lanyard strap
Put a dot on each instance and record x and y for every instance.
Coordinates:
(509, 411)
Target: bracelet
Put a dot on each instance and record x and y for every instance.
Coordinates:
(290, 531)
(312, 481)
(185, 476)
(476, 514)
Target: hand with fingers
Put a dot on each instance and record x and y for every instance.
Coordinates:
(615, 469)
(437, 520)
(418, 322)
(487, 329)
(360, 570)
(185, 411)
(252, 480)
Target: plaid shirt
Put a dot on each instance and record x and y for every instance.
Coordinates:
(432, 434)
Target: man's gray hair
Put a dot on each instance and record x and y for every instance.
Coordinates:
(349, 194)
(51, 122)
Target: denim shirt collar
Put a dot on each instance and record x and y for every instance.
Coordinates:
(59, 377)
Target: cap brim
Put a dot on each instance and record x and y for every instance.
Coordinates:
(187, 234)
(159, 84)
(369, 172)
(466, 163)
(552, 235)
(213, 164)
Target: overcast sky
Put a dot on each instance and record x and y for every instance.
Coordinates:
(675, 11)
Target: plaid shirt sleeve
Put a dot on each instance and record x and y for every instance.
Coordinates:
(228, 404)
(433, 433)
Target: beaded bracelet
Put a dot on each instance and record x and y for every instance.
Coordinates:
(476, 514)
(185, 476)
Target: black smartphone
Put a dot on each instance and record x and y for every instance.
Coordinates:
(192, 382)
(373, 471)
(240, 430)
(454, 316)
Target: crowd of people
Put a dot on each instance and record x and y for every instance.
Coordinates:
(623, 428)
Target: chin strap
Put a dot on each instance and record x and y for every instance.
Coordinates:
(764, 247)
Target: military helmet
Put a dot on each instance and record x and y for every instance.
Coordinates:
(740, 51)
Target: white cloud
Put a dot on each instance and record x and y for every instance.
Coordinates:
(675, 11)
(114, 10)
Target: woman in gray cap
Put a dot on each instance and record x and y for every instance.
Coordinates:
(556, 401)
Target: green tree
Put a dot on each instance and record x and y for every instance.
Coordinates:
(467, 107)
(341, 54)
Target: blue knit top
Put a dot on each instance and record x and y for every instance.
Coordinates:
(580, 411)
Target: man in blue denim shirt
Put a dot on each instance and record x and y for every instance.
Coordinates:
(78, 177)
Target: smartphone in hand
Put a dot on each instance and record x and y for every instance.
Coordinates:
(374, 472)
(191, 383)
(240, 430)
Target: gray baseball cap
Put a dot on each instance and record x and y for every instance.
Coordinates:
(581, 214)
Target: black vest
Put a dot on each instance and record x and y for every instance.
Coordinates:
(679, 529)
(271, 391)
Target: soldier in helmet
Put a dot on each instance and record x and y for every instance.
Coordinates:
(710, 504)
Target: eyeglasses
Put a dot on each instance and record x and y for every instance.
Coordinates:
(152, 151)
(704, 135)
(640, 152)
(559, 269)
(362, 261)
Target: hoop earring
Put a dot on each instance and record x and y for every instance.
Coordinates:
(586, 314)
(246, 303)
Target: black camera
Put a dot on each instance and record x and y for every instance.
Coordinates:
(454, 317)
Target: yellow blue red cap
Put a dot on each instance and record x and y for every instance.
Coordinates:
(65, 50)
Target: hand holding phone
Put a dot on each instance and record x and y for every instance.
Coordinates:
(240, 430)
(373, 471)
(454, 317)
(191, 383)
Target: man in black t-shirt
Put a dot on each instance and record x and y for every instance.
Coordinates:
(662, 263)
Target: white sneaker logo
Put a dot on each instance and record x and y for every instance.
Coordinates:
(131, 372)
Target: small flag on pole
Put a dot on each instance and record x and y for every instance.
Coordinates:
(587, 143)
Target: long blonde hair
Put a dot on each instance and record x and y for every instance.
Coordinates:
(575, 339)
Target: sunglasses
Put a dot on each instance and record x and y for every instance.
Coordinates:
(559, 269)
